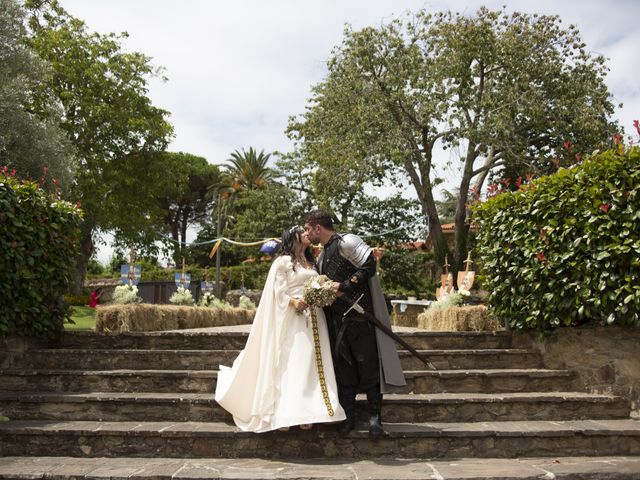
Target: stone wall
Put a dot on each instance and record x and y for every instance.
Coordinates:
(606, 359)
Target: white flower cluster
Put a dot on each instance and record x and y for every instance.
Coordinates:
(182, 296)
(453, 300)
(209, 300)
(246, 303)
(125, 294)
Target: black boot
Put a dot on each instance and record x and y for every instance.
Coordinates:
(348, 401)
(374, 399)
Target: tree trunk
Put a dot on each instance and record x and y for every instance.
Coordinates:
(489, 163)
(82, 260)
(428, 204)
(183, 235)
(175, 235)
(461, 227)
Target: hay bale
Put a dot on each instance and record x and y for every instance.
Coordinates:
(472, 318)
(149, 317)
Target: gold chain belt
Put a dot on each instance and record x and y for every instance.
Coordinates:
(316, 341)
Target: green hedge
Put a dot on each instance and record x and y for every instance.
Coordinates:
(38, 236)
(565, 249)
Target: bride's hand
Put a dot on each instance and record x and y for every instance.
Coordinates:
(299, 304)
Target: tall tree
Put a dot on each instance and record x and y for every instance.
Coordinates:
(186, 200)
(244, 172)
(108, 118)
(30, 140)
(249, 169)
(496, 89)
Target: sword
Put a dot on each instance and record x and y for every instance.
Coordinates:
(354, 305)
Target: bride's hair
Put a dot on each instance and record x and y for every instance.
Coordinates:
(292, 245)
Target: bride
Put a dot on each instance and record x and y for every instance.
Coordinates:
(277, 381)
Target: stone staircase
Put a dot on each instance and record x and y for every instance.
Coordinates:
(98, 401)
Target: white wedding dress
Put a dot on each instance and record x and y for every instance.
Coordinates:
(274, 382)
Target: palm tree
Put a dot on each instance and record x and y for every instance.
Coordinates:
(249, 170)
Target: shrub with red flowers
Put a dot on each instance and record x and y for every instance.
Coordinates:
(565, 249)
(38, 235)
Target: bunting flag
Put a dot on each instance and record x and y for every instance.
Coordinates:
(183, 280)
(130, 274)
(215, 248)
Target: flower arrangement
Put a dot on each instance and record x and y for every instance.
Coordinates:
(246, 303)
(126, 294)
(455, 299)
(209, 300)
(318, 292)
(182, 296)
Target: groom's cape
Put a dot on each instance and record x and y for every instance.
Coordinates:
(391, 375)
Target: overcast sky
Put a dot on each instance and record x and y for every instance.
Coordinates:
(237, 69)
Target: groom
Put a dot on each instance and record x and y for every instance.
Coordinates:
(365, 359)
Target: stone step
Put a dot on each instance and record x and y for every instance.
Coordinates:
(235, 340)
(439, 407)
(203, 381)
(419, 440)
(97, 359)
(539, 468)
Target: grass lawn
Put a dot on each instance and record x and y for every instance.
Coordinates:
(84, 317)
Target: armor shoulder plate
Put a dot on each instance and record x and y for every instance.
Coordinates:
(353, 248)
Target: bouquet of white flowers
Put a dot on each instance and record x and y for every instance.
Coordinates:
(318, 292)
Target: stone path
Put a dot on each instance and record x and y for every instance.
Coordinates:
(584, 468)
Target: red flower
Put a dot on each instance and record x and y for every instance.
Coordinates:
(617, 139)
(636, 124)
(605, 207)
(540, 256)
(78, 204)
(492, 190)
(578, 157)
(519, 182)
(567, 145)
